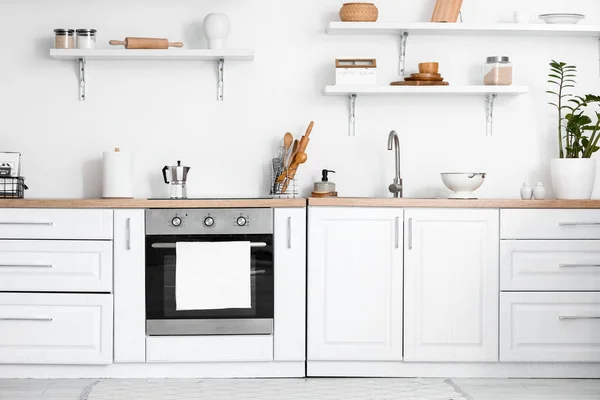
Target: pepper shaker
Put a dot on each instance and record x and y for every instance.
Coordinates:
(526, 191)
(539, 192)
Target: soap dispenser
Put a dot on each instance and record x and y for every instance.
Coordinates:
(324, 188)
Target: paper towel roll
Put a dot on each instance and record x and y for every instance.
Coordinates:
(117, 174)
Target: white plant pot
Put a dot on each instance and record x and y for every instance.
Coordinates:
(216, 28)
(573, 178)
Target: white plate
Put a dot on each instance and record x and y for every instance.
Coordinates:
(562, 18)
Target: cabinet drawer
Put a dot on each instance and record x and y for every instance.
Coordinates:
(25, 223)
(550, 224)
(550, 327)
(55, 266)
(546, 265)
(55, 328)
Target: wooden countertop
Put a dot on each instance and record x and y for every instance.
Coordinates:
(449, 203)
(299, 202)
(146, 203)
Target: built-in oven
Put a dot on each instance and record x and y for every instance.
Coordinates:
(166, 227)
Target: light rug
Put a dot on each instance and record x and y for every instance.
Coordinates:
(276, 389)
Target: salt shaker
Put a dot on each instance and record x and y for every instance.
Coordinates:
(526, 191)
(539, 192)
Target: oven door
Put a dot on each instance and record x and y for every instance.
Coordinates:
(162, 317)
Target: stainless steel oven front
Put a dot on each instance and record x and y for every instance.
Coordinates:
(166, 227)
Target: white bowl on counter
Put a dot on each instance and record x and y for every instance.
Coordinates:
(463, 184)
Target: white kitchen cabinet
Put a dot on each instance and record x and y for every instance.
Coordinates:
(48, 223)
(546, 265)
(550, 327)
(56, 328)
(290, 284)
(451, 285)
(129, 286)
(354, 284)
(56, 266)
(550, 224)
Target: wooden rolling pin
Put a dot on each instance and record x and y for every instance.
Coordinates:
(145, 43)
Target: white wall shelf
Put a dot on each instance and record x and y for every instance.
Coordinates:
(404, 29)
(490, 93)
(368, 90)
(220, 56)
(465, 29)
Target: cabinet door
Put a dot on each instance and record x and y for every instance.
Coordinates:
(290, 284)
(451, 273)
(355, 284)
(129, 286)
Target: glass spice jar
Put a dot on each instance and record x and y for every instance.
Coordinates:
(498, 71)
(86, 38)
(63, 39)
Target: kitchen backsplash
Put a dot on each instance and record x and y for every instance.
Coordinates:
(166, 111)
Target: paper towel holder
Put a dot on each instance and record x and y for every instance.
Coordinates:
(117, 175)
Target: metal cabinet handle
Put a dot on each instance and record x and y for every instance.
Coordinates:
(568, 317)
(410, 234)
(26, 265)
(289, 232)
(27, 223)
(579, 223)
(397, 233)
(128, 233)
(173, 245)
(578, 265)
(42, 319)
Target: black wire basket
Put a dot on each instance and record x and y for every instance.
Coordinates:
(12, 187)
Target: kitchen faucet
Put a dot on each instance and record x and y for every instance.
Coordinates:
(396, 187)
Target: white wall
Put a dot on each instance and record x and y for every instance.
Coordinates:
(167, 111)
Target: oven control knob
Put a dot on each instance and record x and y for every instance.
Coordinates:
(176, 221)
(241, 221)
(209, 221)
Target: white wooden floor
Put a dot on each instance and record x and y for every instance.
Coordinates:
(297, 389)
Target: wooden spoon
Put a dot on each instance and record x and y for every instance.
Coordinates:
(289, 161)
(300, 159)
(288, 139)
(293, 153)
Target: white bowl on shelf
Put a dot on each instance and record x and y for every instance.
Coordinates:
(463, 184)
(562, 18)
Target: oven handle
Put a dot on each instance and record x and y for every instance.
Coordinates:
(172, 245)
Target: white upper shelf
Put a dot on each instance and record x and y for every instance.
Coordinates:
(346, 90)
(153, 55)
(466, 29)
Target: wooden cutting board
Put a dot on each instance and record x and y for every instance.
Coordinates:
(446, 10)
(419, 83)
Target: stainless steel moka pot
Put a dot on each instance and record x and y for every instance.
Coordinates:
(177, 178)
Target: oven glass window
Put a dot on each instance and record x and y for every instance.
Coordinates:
(161, 270)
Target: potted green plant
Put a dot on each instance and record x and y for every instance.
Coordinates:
(574, 172)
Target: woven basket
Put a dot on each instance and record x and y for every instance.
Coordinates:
(359, 12)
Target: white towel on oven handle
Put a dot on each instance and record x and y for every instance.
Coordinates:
(212, 275)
